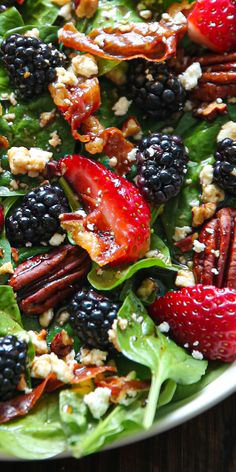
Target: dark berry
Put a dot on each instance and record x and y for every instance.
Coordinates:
(30, 63)
(225, 165)
(13, 355)
(154, 89)
(161, 164)
(37, 219)
(91, 316)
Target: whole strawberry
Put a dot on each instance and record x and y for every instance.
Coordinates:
(212, 23)
(202, 318)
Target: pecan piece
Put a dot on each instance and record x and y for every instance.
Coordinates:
(45, 280)
(216, 265)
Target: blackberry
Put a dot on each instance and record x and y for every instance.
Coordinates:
(161, 164)
(154, 89)
(37, 219)
(91, 316)
(13, 354)
(30, 63)
(225, 165)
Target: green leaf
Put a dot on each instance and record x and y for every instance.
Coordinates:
(26, 130)
(9, 19)
(143, 343)
(109, 278)
(39, 435)
(4, 243)
(47, 33)
(39, 12)
(87, 435)
(9, 304)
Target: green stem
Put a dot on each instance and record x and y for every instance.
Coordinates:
(152, 400)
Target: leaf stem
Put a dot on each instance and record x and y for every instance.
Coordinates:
(152, 400)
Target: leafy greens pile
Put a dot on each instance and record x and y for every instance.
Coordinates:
(175, 376)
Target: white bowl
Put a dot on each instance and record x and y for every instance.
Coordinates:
(217, 390)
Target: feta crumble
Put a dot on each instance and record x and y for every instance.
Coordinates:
(92, 357)
(181, 232)
(57, 239)
(121, 106)
(164, 327)
(206, 175)
(98, 401)
(228, 130)
(189, 78)
(85, 65)
(28, 161)
(185, 278)
(198, 247)
(197, 355)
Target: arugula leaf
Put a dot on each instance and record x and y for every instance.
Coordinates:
(39, 435)
(144, 343)
(39, 12)
(109, 278)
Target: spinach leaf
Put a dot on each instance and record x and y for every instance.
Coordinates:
(39, 435)
(39, 12)
(9, 307)
(144, 343)
(47, 33)
(109, 278)
(87, 435)
(26, 130)
(9, 19)
(4, 243)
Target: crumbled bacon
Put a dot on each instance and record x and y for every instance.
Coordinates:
(121, 386)
(152, 41)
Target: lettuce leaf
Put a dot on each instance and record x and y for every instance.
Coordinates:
(39, 12)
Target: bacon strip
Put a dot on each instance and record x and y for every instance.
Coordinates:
(152, 41)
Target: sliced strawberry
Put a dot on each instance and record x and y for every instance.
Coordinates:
(202, 318)
(212, 23)
(116, 229)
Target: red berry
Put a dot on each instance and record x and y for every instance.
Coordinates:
(203, 317)
(116, 229)
(212, 23)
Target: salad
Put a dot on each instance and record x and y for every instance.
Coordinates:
(117, 215)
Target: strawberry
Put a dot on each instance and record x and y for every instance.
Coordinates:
(212, 23)
(202, 318)
(116, 229)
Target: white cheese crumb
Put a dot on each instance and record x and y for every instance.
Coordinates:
(198, 247)
(66, 11)
(92, 357)
(113, 161)
(214, 271)
(46, 318)
(57, 239)
(212, 194)
(40, 345)
(121, 106)
(206, 175)
(164, 327)
(55, 139)
(181, 232)
(197, 355)
(216, 252)
(145, 14)
(46, 117)
(47, 364)
(196, 343)
(66, 77)
(33, 33)
(122, 323)
(28, 161)
(210, 231)
(132, 155)
(189, 78)
(63, 317)
(85, 65)
(98, 401)
(185, 278)
(228, 130)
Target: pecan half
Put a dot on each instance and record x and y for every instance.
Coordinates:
(216, 265)
(45, 280)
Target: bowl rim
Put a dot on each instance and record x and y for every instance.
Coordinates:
(199, 402)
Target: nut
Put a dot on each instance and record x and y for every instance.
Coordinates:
(216, 265)
(43, 281)
(202, 213)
